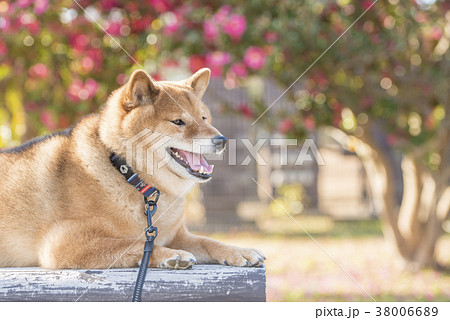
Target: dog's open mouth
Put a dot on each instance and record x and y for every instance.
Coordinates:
(195, 163)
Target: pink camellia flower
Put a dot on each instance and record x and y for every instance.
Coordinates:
(74, 89)
(121, 78)
(34, 28)
(97, 57)
(29, 21)
(156, 76)
(172, 25)
(5, 23)
(78, 91)
(210, 30)
(222, 14)
(87, 63)
(239, 69)
(245, 110)
(215, 61)
(108, 4)
(40, 6)
(23, 3)
(196, 63)
(309, 123)
(366, 4)
(114, 28)
(79, 42)
(270, 36)
(285, 125)
(216, 71)
(218, 58)
(39, 70)
(255, 58)
(436, 33)
(160, 5)
(138, 25)
(3, 48)
(91, 86)
(235, 26)
(47, 120)
(170, 63)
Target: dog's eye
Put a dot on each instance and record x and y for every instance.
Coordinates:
(204, 118)
(178, 122)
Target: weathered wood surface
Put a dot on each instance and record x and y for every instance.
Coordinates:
(201, 283)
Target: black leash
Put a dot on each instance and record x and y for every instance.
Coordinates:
(151, 206)
(151, 233)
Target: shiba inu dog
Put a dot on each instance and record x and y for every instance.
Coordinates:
(64, 205)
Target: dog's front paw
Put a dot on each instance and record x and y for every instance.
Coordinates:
(243, 257)
(174, 259)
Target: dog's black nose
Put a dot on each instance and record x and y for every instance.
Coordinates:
(219, 142)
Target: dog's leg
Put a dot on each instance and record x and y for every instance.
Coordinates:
(74, 245)
(90, 253)
(207, 250)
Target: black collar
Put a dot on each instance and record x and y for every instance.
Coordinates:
(132, 178)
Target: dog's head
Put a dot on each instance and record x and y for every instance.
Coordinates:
(164, 124)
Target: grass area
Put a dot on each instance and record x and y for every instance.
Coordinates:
(299, 270)
(320, 225)
(360, 228)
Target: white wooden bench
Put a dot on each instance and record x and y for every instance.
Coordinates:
(201, 283)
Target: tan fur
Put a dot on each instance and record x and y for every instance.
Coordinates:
(63, 205)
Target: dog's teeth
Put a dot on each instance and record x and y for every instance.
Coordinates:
(201, 169)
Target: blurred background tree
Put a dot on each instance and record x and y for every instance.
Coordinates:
(384, 85)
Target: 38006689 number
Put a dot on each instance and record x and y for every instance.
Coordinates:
(407, 311)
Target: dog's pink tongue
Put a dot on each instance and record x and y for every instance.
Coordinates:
(205, 164)
(195, 160)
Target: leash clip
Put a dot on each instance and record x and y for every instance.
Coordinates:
(148, 211)
(151, 233)
(151, 206)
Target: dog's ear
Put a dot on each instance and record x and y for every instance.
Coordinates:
(199, 81)
(140, 90)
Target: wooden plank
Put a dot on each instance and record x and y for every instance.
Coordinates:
(201, 283)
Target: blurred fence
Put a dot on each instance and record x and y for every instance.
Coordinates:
(338, 189)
